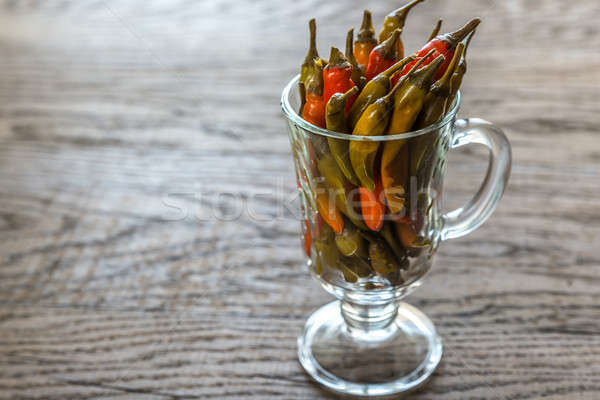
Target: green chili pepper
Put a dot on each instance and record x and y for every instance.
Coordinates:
(358, 71)
(396, 20)
(375, 89)
(335, 117)
(342, 189)
(408, 102)
(351, 242)
(461, 70)
(302, 90)
(382, 259)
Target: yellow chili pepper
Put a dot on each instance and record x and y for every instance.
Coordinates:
(396, 20)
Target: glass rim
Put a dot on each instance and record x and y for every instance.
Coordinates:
(292, 115)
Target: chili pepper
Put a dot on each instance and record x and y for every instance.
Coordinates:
(372, 205)
(444, 45)
(436, 101)
(460, 71)
(342, 190)
(383, 56)
(373, 122)
(328, 211)
(308, 66)
(406, 233)
(358, 71)
(302, 90)
(436, 30)
(435, 106)
(337, 77)
(335, 117)
(365, 40)
(396, 20)
(375, 89)
(352, 268)
(388, 234)
(314, 108)
(358, 265)
(408, 102)
(382, 258)
(351, 243)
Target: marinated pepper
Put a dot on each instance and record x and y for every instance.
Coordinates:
(461, 70)
(382, 258)
(387, 232)
(340, 189)
(408, 102)
(351, 242)
(314, 108)
(312, 56)
(335, 117)
(372, 205)
(375, 89)
(437, 100)
(383, 56)
(327, 209)
(365, 40)
(373, 122)
(396, 20)
(358, 71)
(337, 77)
(435, 107)
(302, 91)
(352, 268)
(444, 45)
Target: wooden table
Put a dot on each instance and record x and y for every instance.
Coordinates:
(147, 248)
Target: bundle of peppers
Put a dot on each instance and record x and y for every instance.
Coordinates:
(372, 89)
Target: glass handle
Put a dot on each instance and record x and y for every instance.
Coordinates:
(466, 219)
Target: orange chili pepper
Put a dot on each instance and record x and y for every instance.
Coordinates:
(372, 206)
(365, 41)
(329, 212)
(314, 108)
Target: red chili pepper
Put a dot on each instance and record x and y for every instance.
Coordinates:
(314, 108)
(337, 77)
(383, 56)
(444, 45)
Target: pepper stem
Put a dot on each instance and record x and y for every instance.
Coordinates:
(350, 44)
(366, 32)
(412, 69)
(349, 93)
(444, 81)
(402, 12)
(423, 77)
(435, 30)
(312, 49)
(387, 48)
(337, 59)
(455, 37)
(398, 66)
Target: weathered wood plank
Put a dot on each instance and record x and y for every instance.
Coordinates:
(111, 111)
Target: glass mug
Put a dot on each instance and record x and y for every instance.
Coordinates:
(368, 342)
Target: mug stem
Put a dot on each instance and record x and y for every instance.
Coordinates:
(365, 321)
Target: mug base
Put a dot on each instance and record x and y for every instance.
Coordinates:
(395, 359)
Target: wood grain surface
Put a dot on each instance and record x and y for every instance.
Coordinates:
(149, 240)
